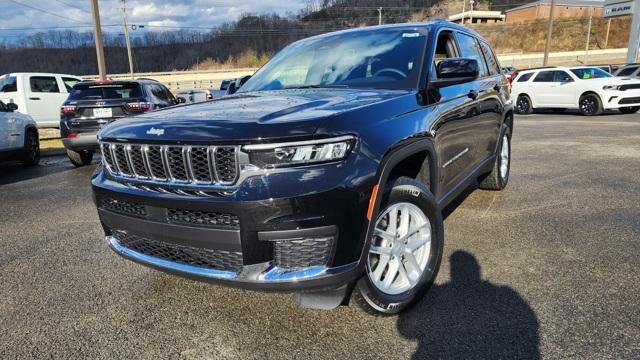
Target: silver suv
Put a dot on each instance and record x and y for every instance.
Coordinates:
(18, 136)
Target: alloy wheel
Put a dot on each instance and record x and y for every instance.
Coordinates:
(400, 248)
(588, 105)
(504, 157)
(522, 105)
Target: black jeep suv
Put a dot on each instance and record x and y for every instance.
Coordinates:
(325, 175)
(93, 104)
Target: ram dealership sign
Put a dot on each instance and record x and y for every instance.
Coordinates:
(618, 8)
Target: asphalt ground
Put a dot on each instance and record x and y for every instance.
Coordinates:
(549, 267)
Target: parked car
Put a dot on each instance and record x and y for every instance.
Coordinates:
(192, 96)
(18, 136)
(630, 70)
(588, 89)
(326, 173)
(93, 104)
(37, 94)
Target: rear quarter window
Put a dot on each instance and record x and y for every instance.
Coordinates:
(524, 77)
(8, 84)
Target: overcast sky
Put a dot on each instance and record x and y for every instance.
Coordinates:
(30, 14)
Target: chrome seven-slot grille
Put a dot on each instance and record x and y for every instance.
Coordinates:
(186, 164)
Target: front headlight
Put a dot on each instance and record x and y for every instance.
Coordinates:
(300, 152)
(611, 87)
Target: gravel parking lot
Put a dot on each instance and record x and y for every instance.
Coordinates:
(547, 268)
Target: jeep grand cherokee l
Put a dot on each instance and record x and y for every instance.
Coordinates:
(325, 175)
(93, 104)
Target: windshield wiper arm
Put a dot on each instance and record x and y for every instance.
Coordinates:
(318, 86)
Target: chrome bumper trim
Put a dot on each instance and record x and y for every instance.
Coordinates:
(262, 273)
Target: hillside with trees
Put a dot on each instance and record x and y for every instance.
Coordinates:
(251, 40)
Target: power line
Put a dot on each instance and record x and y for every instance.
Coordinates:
(45, 11)
(73, 6)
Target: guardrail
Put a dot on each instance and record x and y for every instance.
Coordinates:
(210, 79)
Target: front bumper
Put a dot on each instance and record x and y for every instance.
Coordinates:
(290, 231)
(618, 99)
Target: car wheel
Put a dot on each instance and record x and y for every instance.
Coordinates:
(523, 105)
(404, 251)
(499, 175)
(31, 154)
(629, 110)
(80, 158)
(590, 105)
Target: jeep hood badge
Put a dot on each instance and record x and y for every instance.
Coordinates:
(154, 131)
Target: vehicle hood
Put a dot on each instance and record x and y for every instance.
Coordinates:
(616, 81)
(250, 116)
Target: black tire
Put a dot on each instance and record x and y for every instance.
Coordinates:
(497, 180)
(590, 105)
(629, 110)
(31, 152)
(523, 105)
(80, 158)
(366, 294)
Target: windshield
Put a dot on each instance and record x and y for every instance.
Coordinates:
(590, 73)
(374, 59)
(111, 91)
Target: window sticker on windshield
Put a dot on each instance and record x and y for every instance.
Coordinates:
(412, 34)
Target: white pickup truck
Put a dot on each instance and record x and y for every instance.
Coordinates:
(18, 136)
(37, 94)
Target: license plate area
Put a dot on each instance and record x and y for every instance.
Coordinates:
(102, 113)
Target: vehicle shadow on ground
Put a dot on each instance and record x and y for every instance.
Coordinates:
(13, 172)
(469, 318)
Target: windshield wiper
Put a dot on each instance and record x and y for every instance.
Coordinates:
(318, 86)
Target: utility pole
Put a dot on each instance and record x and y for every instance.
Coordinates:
(97, 36)
(126, 36)
(380, 15)
(606, 39)
(586, 58)
(634, 35)
(464, 2)
(471, 2)
(547, 45)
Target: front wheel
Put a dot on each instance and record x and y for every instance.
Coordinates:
(80, 158)
(404, 251)
(629, 110)
(590, 105)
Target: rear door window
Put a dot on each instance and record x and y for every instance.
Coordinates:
(544, 76)
(106, 92)
(470, 49)
(8, 84)
(44, 84)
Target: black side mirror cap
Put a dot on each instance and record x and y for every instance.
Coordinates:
(454, 71)
(181, 100)
(11, 106)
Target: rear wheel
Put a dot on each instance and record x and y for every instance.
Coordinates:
(405, 250)
(80, 158)
(590, 105)
(523, 105)
(629, 110)
(31, 154)
(499, 176)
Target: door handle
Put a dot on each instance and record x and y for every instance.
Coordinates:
(473, 94)
(34, 98)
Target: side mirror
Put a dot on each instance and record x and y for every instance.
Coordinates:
(11, 107)
(455, 71)
(224, 85)
(181, 100)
